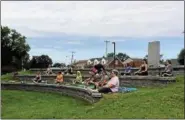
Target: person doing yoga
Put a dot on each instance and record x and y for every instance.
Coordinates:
(37, 78)
(78, 78)
(59, 78)
(143, 71)
(49, 70)
(92, 79)
(98, 69)
(127, 70)
(112, 85)
(168, 69)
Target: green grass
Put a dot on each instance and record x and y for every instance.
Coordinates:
(9, 76)
(167, 102)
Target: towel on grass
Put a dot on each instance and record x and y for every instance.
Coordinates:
(82, 86)
(126, 89)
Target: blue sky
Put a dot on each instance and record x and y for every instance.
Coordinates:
(57, 28)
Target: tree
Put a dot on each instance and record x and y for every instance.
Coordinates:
(63, 64)
(122, 56)
(110, 55)
(14, 47)
(26, 62)
(146, 57)
(42, 61)
(181, 57)
(59, 65)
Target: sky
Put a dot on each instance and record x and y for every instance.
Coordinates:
(57, 28)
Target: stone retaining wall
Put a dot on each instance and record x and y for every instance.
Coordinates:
(129, 81)
(81, 93)
(152, 71)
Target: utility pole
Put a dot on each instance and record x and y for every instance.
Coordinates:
(114, 53)
(72, 57)
(106, 42)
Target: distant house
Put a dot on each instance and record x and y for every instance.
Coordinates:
(80, 64)
(103, 61)
(95, 61)
(134, 62)
(117, 63)
(89, 62)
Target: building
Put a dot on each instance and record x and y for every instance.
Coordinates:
(117, 63)
(95, 61)
(80, 64)
(134, 62)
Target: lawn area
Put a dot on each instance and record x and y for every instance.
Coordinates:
(9, 76)
(167, 102)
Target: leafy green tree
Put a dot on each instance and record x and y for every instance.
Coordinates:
(59, 65)
(181, 57)
(42, 61)
(110, 55)
(121, 56)
(14, 48)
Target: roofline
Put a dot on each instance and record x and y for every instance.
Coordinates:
(113, 60)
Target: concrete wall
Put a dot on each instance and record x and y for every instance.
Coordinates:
(152, 71)
(129, 81)
(81, 93)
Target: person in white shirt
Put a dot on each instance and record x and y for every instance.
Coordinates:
(49, 70)
(112, 85)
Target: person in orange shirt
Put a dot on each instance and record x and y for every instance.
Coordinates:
(59, 78)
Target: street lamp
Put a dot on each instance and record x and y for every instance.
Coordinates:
(114, 53)
(106, 41)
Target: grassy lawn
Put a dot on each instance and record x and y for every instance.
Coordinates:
(9, 76)
(160, 102)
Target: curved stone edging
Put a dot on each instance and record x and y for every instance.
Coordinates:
(87, 95)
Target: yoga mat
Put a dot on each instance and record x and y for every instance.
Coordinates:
(126, 89)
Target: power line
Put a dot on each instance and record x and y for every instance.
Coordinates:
(106, 49)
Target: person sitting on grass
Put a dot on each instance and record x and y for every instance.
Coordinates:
(112, 85)
(59, 78)
(78, 78)
(143, 70)
(127, 70)
(168, 69)
(37, 78)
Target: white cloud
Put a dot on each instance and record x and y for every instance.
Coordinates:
(73, 42)
(110, 18)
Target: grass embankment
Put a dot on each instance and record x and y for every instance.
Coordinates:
(167, 102)
(9, 76)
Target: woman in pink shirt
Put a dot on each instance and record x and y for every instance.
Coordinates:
(112, 85)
